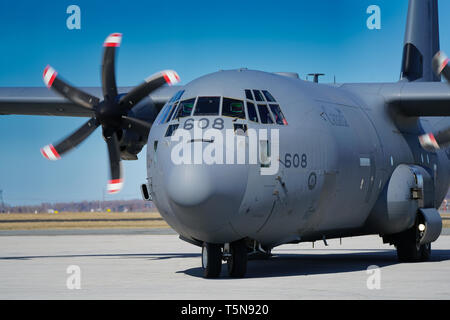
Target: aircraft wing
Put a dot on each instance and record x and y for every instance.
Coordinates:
(41, 101)
(419, 99)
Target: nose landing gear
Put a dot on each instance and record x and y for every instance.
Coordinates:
(237, 259)
(235, 254)
(211, 260)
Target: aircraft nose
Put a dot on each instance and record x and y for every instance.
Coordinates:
(205, 198)
(189, 185)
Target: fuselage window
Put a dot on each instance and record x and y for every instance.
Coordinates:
(248, 94)
(258, 95)
(268, 96)
(207, 106)
(251, 110)
(278, 114)
(185, 108)
(233, 108)
(264, 114)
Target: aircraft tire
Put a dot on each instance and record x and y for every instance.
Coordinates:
(237, 262)
(211, 260)
(426, 252)
(409, 250)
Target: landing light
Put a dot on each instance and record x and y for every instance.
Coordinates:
(421, 227)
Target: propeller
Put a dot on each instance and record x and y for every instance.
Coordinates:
(111, 113)
(434, 141)
(431, 141)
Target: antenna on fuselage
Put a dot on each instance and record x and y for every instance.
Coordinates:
(316, 76)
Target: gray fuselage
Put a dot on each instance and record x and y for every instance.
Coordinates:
(336, 154)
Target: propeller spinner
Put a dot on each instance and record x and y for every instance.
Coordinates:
(112, 113)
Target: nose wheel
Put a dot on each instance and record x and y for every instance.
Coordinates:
(211, 260)
(237, 260)
(234, 253)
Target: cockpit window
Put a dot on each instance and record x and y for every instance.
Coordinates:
(162, 116)
(251, 110)
(233, 108)
(267, 113)
(259, 106)
(185, 108)
(268, 96)
(169, 107)
(264, 114)
(207, 106)
(177, 96)
(248, 94)
(258, 95)
(278, 114)
(171, 129)
(172, 111)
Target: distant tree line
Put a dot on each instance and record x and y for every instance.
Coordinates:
(84, 206)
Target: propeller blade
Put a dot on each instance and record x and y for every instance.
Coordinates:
(75, 95)
(150, 84)
(431, 141)
(440, 65)
(55, 152)
(116, 182)
(137, 124)
(437, 141)
(111, 113)
(108, 65)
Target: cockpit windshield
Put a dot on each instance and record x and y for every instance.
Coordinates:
(185, 108)
(258, 106)
(233, 108)
(169, 108)
(207, 106)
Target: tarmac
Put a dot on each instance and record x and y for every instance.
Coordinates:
(139, 264)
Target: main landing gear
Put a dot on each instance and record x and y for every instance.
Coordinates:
(409, 248)
(235, 254)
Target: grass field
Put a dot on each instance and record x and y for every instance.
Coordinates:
(96, 220)
(81, 220)
(445, 220)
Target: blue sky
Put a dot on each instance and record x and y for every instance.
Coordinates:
(191, 37)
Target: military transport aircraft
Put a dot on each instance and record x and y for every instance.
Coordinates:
(341, 160)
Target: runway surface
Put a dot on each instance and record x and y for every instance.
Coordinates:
(160, 266)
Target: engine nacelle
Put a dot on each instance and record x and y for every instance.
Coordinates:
(131, 143)
(409, 188)
(132, 140)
